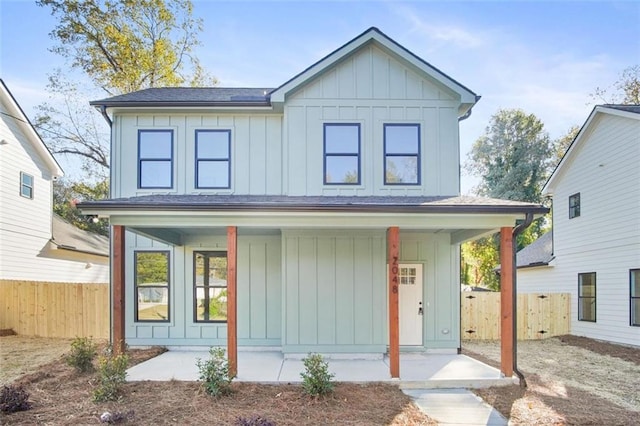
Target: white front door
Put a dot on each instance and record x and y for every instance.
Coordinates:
(411, 308)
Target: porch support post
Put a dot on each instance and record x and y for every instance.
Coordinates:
(393, 248)
(506, 302)
(118, 289)
(232, 299)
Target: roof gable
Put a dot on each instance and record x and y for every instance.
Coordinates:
(599, 111)
(373, 35)
(13, 108)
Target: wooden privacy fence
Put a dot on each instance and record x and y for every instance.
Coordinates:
(48, 309)
(539, 315)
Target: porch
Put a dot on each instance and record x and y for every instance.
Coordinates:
(418, 370)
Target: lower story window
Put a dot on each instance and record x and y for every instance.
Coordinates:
(152, 286)
(210, 286)
(587, 297)
(634, 280)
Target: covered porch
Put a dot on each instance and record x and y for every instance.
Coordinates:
(418, 370)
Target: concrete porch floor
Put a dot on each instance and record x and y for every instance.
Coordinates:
(423, 371)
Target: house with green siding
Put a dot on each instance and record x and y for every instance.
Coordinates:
(323, 215)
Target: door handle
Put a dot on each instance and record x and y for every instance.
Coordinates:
(420, 311)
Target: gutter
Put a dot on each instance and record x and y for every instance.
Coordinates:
(517, 231)
(103, 111)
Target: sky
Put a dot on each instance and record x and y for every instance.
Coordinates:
(545, 57)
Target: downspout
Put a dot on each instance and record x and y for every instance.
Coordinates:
(517, 231)
(103, 111)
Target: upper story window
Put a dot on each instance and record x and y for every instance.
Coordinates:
(402, 154)
(26, 185)
(634, 281)
(342, 154)
(574, 205)
(213, 158)
(155, 159)
(587, 297)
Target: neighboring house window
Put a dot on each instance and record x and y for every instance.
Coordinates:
(342, 154)
(155, 159)
(587, 297)
(152, 285)
(26, 185)
(401, 154)
(210, 286)
(634, 280)
(574, 205)
(213, 158)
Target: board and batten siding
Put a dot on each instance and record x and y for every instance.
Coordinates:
(256, 152)
(259, 281)
(371, 88)
(605, 238)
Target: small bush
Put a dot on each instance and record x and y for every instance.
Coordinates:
(112, 374)
(254, 421)
(83, 351)
(14, 398)
(215, 373)
(316, 379)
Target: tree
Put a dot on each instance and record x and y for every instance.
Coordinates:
(67, 194)
(512, 160)
(128, 45)
(626, 90)
(560, 145)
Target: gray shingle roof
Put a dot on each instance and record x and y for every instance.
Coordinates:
(462, 204)
(538, 253)
(190, 96)
(628, 108)
(68, 237)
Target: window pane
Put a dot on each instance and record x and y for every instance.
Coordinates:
(342, 139)
(153, 304)
(155, 144)
(216, 299)
(155, 174)
(212, 144)
(401, 139)
(152, 268)
(26, 191)
(587, 285)
(341, 169)
(587, 309)
(27, 179)
(401, 169)
(213, 174)
(635, 312)
(635, 283)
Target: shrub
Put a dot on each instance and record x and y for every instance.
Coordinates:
(83, 351)
(215, 373)
(14, 398)
(112, 374)
(254, 421)
(316, 379)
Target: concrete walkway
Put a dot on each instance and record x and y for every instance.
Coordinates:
(456, 407)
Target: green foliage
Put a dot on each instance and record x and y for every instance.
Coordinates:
(67, 194)
(316, 379)
(151, 267)
(561, 145)
(14, 398)
(112, 373)
(481, 257)
(83, 351)
(511, 157)
(128, 45)
(215, 373)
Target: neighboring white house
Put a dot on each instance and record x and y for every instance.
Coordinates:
(35, 244)
(317, 176)
(593, 251)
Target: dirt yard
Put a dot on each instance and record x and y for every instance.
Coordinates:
(61, 396)
(571, 380)
(20, 355)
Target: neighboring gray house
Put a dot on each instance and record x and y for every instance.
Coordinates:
(36, 244)
(595, 252)
(315, 187)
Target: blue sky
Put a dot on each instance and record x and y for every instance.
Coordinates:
(543, 57)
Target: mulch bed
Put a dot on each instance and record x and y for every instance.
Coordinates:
(60, 395)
